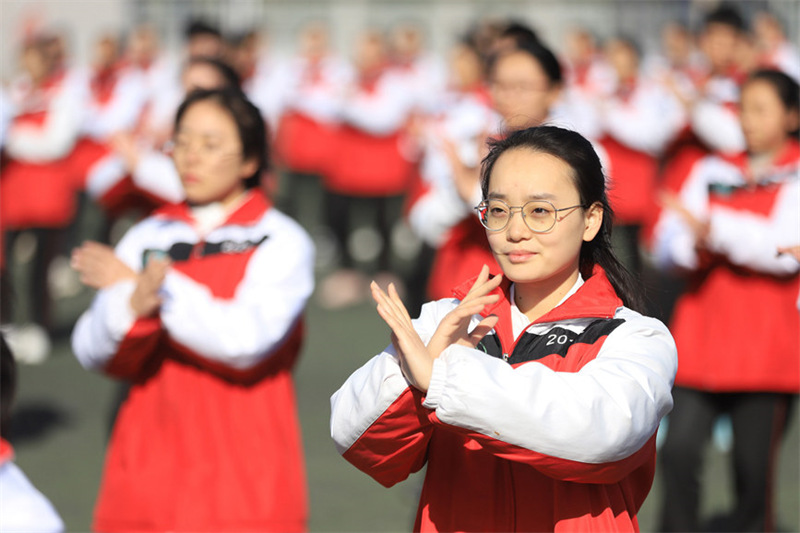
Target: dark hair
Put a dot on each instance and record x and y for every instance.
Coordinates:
(229, 75)
(785, 86)
(726, 14)
(249, 124)
(519, 32)
(198, 27)
(587, 173)
(540, 53)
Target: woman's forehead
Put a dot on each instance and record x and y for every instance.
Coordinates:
(531, 174)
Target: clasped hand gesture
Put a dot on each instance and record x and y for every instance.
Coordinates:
(416, 359)
(99, 267)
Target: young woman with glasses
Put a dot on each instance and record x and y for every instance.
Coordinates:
(196, 312)
(526, 89)
(533, 397)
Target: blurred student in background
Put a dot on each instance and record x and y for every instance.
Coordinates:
(636, 120)
(315, 79)
(369, 170)
(200, 306)
(38, 186)
(737, 325)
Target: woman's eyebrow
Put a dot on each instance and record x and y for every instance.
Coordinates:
(535, 196)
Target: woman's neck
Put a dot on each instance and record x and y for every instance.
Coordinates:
(763, 159)
(537, 298)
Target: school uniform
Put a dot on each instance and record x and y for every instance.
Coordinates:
(372, 161)
(208, 438)
(638, 120)
(736, 325)
(545, 426)
(37, 189)
(305, 135)
(118, 100)
(714, 117)
(370, 157)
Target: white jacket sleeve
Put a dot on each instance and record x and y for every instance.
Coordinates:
(371, 389)
(101, 328)
(124, 109)
(242, 331)
(674, 243)
(155, 173)
(435, 212)
(605, 412)
(752, 240)
(717, 126)
(647, 123)
(58, 136)
(383, 112)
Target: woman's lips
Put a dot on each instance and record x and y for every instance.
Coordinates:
(519, 256)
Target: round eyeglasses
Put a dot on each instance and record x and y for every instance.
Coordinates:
(539, 215)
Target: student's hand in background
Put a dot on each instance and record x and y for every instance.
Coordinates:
(146, 299)
(98, 266)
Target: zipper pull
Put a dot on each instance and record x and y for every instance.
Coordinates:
(505, 357)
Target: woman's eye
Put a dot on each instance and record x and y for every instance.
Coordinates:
(498, 212)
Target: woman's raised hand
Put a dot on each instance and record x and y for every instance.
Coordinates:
(98, 266)
(416, 359)
(146, 299)
(453, 329)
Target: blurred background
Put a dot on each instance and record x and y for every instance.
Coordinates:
(63, 413)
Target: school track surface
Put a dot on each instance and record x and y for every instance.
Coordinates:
(62, 413)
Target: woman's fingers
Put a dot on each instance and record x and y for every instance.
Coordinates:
(484, 284)
(482, 329)
(395, 296)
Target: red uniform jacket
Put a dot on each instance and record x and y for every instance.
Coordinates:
(553, 430)
(208, 438)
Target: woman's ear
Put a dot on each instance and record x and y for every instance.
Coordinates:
(594, 220)
(249, 167)
(793, 121)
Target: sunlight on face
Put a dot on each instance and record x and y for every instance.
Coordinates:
(765, 120)
(521, 91)
(208, 155)
(521, 175)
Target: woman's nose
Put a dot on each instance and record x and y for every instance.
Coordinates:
(517, 228)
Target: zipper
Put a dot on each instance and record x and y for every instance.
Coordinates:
(505, 357)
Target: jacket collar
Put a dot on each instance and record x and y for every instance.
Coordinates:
(248, 213)
(596, 298)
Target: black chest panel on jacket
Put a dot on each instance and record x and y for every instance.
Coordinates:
(557, 340)
(182, 251)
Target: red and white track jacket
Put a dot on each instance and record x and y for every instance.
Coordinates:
(737, 324)
(551, 430)
(306, 130)
(37, 188)
(208, 438)
(637, 121)
(371, 156)
(714, 117)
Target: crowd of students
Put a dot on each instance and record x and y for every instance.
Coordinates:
(379, 158)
